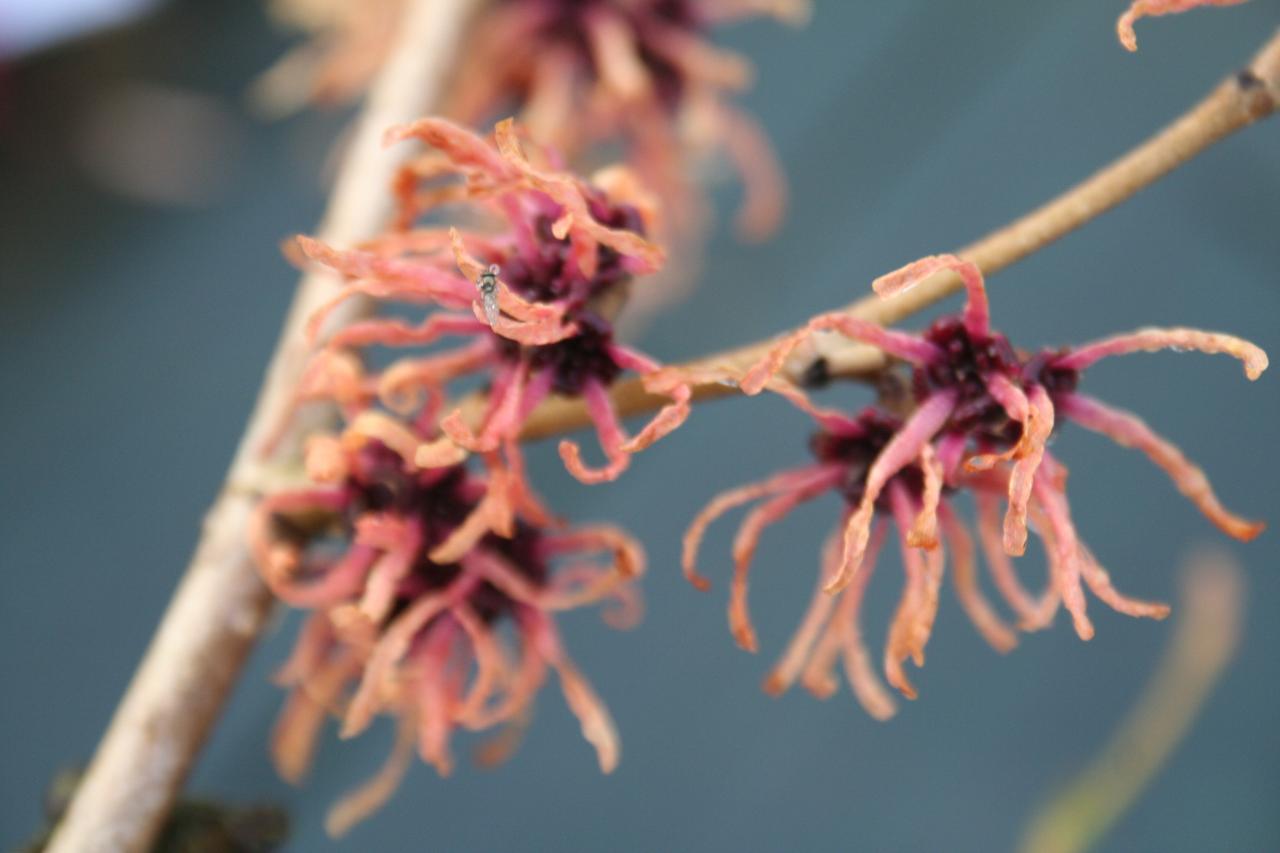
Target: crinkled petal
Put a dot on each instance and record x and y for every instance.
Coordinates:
(1152, 339)
(1064, 554)
(1129, 430)
(722, 503)
(1150, 8)
(902, 450)
(372, 795)
(748, 537)
(964, 578)
(977, 313)
(899, 344)
(612, 439)
(1099, 581)
(924, 530)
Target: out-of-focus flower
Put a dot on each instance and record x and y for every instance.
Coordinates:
(535, 291)
(582, 75)
(1151, 8)
(585, 72)
(434, 613)
(984, 414)
(349, 42)
(423, 576)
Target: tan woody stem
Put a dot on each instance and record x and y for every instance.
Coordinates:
(1237, 102)
(220, 606)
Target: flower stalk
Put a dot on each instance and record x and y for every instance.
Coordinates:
(220, 606)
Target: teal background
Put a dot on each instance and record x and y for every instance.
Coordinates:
(132, 339)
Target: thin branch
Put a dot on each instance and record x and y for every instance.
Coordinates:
(1237, 102)
(220, 607)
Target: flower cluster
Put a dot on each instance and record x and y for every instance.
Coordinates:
(536, 294)
(420, 570)
(984, 413)
(1151, 8)
(349, 44)
(582, 75)
(585, 72)
(409, 594)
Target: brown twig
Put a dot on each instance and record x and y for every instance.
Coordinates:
(1237, 102)
(220, 607)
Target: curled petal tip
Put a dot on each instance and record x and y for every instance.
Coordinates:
(1255, 363)
(900, 683)
(773, 684)
(571, 455)
(820, 689)
(1124, 31)
(794, 13)
(441, 453)
(746, 640)
(1250, 531)
(454, 426)
(1015, 547)
(927, 542)
(394, 134)
(837, 583)
(1004, 645)
(907, 277)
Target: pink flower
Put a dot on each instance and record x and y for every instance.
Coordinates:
(409, 578)
(582, 73)
(916, 501)
(983, 416)
(1151, 8)
(349, 42)
(534, 296)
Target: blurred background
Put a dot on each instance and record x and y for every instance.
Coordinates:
(141, 209)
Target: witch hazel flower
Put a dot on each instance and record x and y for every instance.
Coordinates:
(534, 295)
(583, 73)
(1151, 8)
(982, 405)
(913, 502)
(348, 44)
(420, 613)
(984, 413)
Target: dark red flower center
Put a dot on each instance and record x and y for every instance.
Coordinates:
(1043, 367)
(438, 500)
(545, 275)
(965, 368)
(857, 450)
(572, 361)
(565, 26)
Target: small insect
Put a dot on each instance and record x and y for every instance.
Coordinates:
(488, 287)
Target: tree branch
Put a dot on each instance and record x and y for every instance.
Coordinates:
(1236, 103)
(220, 607)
